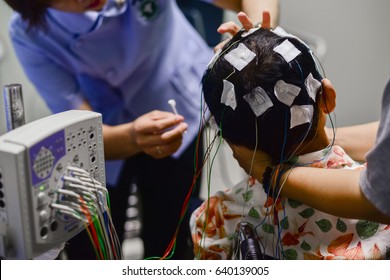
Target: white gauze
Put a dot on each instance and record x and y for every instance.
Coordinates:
(287, 50)
(286, 93)
(245, 34)
(301, 114)
(228, 96)
(281, 32)
(312, 86)
(258, 100)
(240, 56)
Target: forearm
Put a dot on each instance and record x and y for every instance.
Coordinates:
(356, 140)
(334, 191)
(118, 143)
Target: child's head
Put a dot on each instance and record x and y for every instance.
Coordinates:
(267, 79)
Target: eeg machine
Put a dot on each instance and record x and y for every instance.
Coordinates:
(52, 176)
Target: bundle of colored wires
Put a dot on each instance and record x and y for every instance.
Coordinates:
(83, 198)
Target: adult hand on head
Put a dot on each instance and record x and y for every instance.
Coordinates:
(253, 162)
(232, 28)
(158, 134)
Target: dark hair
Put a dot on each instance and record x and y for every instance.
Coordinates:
(33, 11)
(274, 135)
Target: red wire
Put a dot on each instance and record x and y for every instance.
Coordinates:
(188, 196)
(91, 226)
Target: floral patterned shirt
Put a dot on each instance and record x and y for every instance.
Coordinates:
(286, 229)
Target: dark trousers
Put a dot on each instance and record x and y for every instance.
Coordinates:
(163, 185)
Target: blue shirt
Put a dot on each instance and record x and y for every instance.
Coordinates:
(125, 61)
(374, 180)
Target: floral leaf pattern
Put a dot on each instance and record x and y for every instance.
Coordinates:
(366, 229)
(268, 228)
(284, 223)
(294, 203)
(307, 213)
(247, 195)
(237, 191)
(253, 213)
(341, 226)
(324, 224)
(290, 254)
(305, 246)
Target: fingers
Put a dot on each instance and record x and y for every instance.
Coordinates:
(162, 138)
(245, 21)
(157, 122)
(232, 28)
(159, 134)
(228, 27)
(174, 133)
(167, 144)
(248, 24)
(266, 20)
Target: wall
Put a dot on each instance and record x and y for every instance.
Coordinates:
(357, 60)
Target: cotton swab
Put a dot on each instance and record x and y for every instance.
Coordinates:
(172, 103)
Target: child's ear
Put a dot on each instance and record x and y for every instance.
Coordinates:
(327, 103)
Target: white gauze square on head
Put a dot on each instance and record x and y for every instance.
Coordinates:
(258, 100)
(240, 56)
(287, 50)
(280, 31)
(283, 33)
(301, 114)
(244, 34)
(312, 86)
(228, 96)
(286, 93)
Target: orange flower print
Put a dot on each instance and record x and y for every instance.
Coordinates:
(290, 239)
(339, 249)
